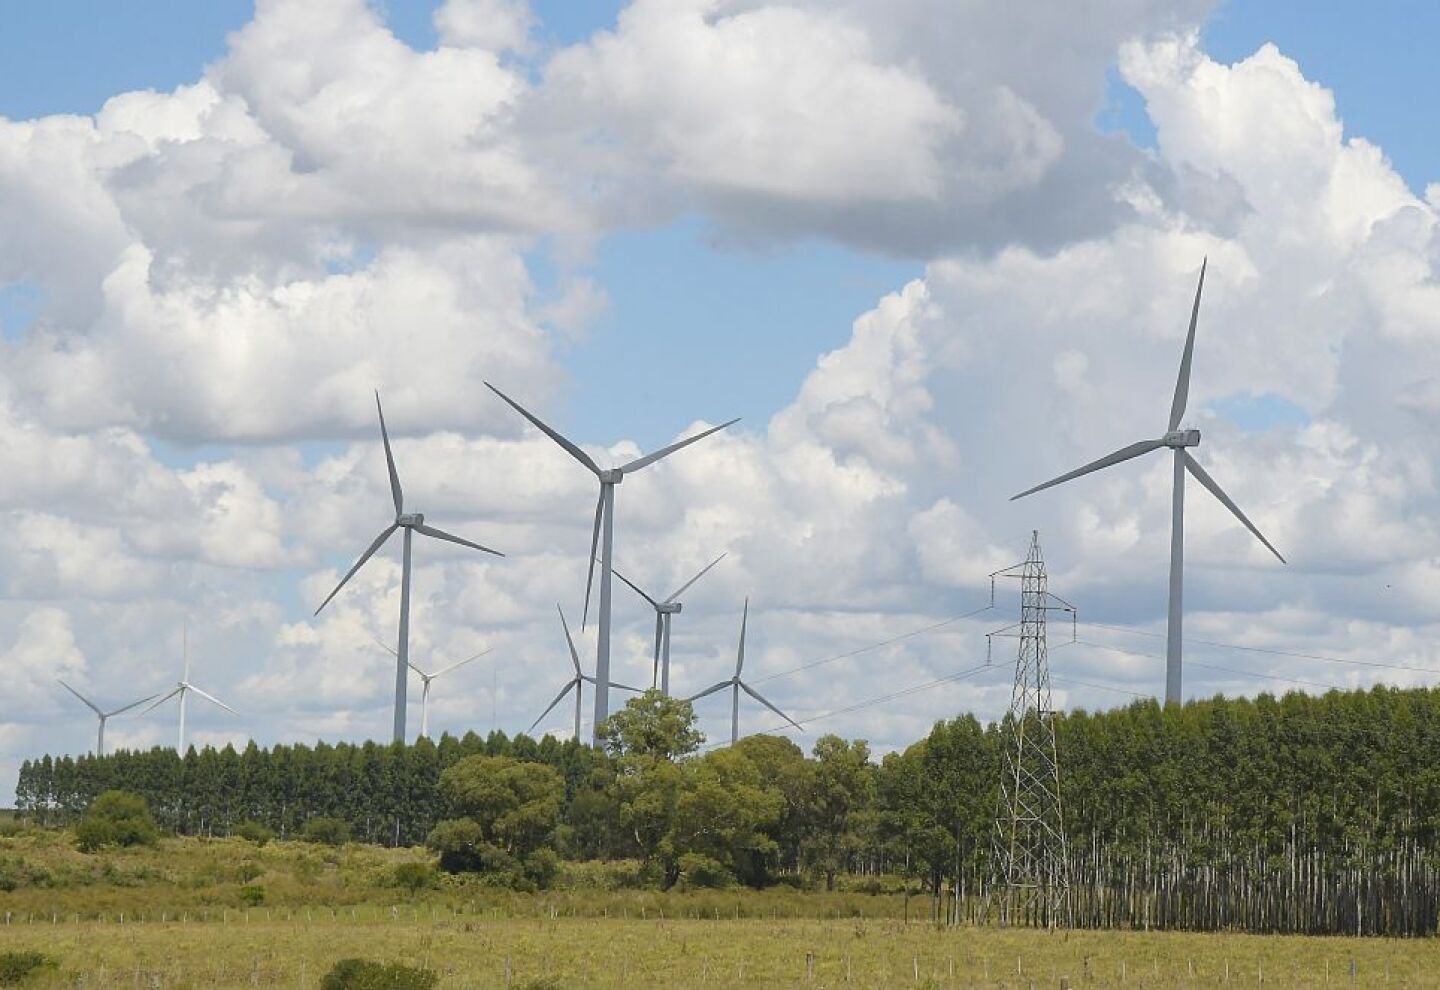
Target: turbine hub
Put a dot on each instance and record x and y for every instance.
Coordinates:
(611, 476)
(1182, 438)
(411, 519)
(669, 608)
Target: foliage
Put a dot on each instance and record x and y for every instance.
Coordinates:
(253, 894)
(362, 974)
(16, 967)
(254, 832)
(652, 725)
(699, 870)
(415, 877)
(116, 818)
(326, 831)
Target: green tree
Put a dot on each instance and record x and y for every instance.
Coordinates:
(116, 818)
(844, 786)
(652, 725)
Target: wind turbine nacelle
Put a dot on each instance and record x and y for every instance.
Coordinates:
(611, 476)
(411, 519)
(669, 608)
(1182, 438)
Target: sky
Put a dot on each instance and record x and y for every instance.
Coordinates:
(931, 256)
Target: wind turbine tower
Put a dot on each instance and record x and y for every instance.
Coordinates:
(575, 683)
(103, 716)
(1179, 441)
(425, 680)
(602, 539)
(736, 685)
(411, 523)
(182, 688)
(1032, 873)
(663, 611)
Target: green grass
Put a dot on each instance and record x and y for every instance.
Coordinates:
(174, 916)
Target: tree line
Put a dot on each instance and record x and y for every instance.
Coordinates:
(1293, 813)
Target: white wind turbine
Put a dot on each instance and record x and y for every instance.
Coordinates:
(182, 688)
(736, 685)
(663, 611)
(575, 683)
(603, 535)
(425, 680)
(413, 522)
(1177, 440)
(103, 715)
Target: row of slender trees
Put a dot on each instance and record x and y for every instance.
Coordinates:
(1299, 813)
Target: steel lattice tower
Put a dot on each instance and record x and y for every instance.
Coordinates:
(1031, 868)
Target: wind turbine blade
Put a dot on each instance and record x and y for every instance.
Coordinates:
(381, 643)
(625, 687)
(558, 698)
(594, 544)
(88, 703)
(635, 588)
(1193, 466)
(651, 458)
(164, 698)
(569, 447)
(574, 656)
(213, 700)
(1182, 383)
(659, 633)
(440, 534)
(384, 535)
(461, 663)
(395, 491)
(761, 698)
(1123, 454)
(423, 676)
(681, 590)
(740, 653)
(133, 704)
(710, 690)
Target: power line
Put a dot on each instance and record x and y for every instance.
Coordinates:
(875, 646)
(1274, 652)
(1210, 666)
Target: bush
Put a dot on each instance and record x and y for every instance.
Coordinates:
(414, 877)
(541, 867)
(362, 974)
(116, 818)
(326, 831)
(697, 870)
(254, 832)
(15, 967)
(253, 894)
(249, 870)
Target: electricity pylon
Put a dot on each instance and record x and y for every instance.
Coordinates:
(1031, 869)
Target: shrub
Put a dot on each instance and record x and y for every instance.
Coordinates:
(116, 818)
(415, 876)
(326, 831)
(15, 967)
(362, 974)
(253, 894)
(249, 870)
(254, 832)
(541, 867)
(697, 870)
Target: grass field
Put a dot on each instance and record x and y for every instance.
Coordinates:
(176, 916)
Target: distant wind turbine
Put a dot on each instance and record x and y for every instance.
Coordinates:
(425, 680)
(102, 715)
(411, 523)
(1176, 439)
(736, 685)
(575, 683)
(604, 525)
(663, 611)
(181, 689)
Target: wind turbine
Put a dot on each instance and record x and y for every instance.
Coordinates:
(604, 524)
(1178, 440)
(425, 680)
(102, 716)
(576, 683)
(663, 611)
(411, 523)
(182, 688)
(736, 685)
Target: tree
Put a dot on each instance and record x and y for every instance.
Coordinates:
(844, 784)
(516, 805)
(326, 831)
(116, 818)
(652, 725)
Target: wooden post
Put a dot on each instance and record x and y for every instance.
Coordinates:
(809, 965)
